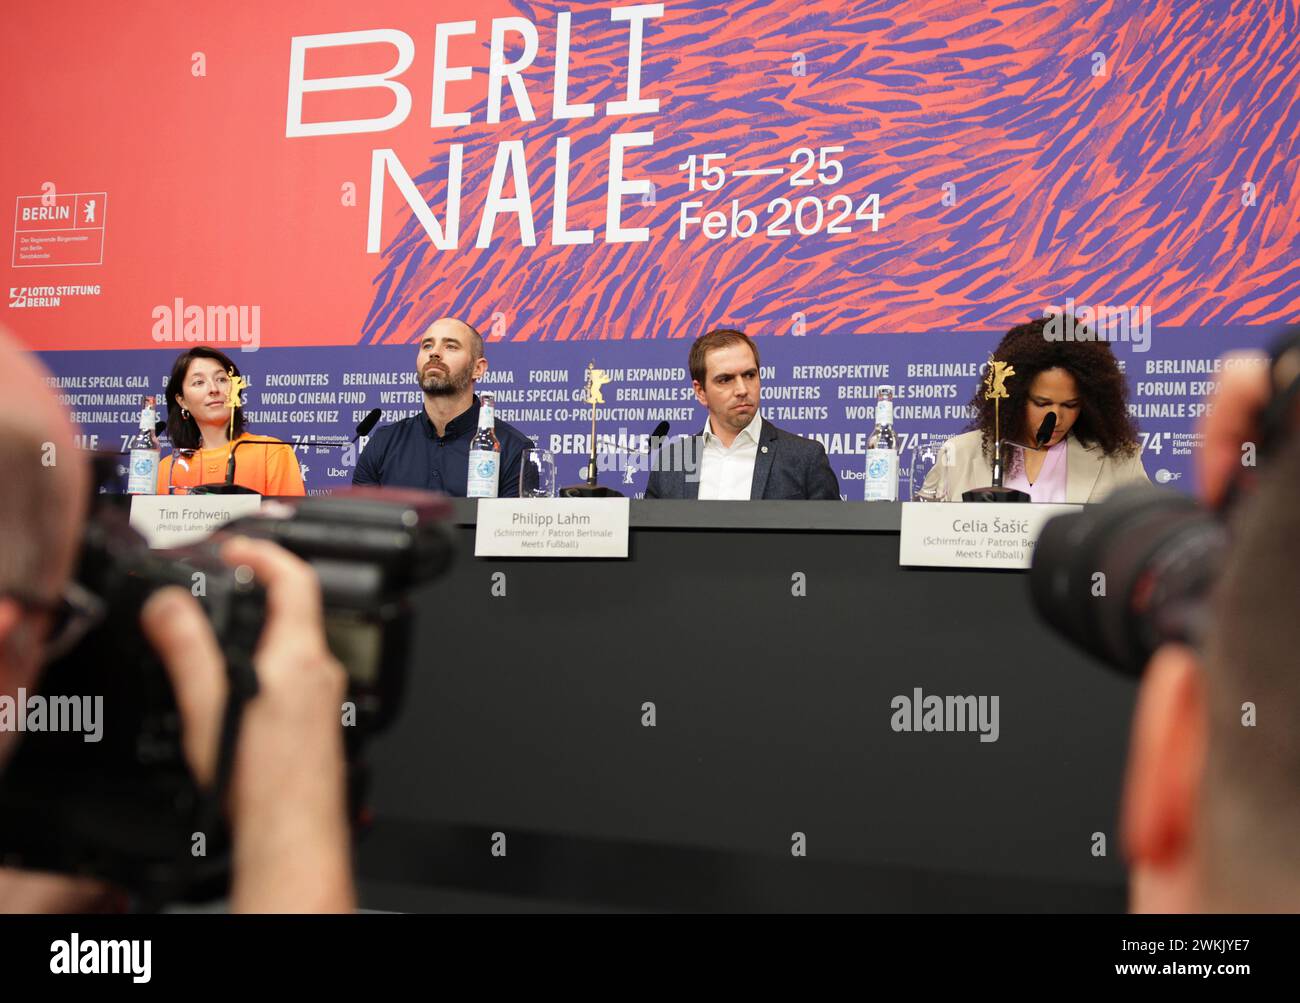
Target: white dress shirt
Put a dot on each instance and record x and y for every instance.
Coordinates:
(727, 472)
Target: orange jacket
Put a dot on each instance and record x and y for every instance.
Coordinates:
(269, 470)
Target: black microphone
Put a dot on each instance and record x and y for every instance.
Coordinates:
(1045, 430)
(591, 489)
(656, 443)
(368, 422)
(658, 435)
(657, 439)
(228, 487)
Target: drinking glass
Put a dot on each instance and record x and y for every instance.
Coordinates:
(537, 474)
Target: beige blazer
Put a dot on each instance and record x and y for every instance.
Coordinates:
(1090, 475)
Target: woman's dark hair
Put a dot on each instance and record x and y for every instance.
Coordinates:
(1103, 394)
(184, 432)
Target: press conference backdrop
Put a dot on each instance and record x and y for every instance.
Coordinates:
(876, 191)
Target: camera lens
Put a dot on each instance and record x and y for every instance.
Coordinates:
(1121, 578)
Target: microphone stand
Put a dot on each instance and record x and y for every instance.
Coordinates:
(998, 493)
(229, 487)
(995, 376)
(593, 490)
(590, 489)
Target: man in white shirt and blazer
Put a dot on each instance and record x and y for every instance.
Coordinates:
(738, 455)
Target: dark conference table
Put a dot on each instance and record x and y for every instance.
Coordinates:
(524, 717)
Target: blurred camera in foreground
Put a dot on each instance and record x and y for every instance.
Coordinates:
(126, 807)
(1123, 577)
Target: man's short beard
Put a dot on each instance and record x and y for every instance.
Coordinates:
(436, 385)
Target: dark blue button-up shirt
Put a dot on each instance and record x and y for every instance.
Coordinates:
(411, 454)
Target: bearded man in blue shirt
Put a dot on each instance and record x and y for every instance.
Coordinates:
(430, 450)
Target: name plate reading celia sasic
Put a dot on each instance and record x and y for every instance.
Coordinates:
(176, 520)
(973, 534)
(552, 527)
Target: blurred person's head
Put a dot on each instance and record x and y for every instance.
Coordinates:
(197, 390)
(724, 370)
(450, 359)
(1078, 380)
(1211, 817)
(43, 495)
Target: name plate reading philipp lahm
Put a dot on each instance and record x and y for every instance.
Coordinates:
(552, 527)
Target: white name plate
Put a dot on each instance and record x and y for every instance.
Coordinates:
(972, 534)
(552, 527)
(176, 520)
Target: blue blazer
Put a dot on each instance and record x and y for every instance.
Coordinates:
(787, 466)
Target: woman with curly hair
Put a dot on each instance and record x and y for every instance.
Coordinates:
(1094, 448)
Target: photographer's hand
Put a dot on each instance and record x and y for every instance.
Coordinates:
(287, 796)
(1240, 393)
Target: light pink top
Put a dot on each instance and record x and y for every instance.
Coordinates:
(1050, 486)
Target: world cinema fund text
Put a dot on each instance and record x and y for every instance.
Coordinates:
(509, 164)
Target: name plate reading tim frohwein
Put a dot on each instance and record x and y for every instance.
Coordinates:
(176, 520)
(552, 527)
(972, 534)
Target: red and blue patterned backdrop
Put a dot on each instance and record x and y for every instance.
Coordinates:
(875, 190)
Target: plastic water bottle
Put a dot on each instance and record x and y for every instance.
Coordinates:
(484, 453)
(882, 451)
(142, 478)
